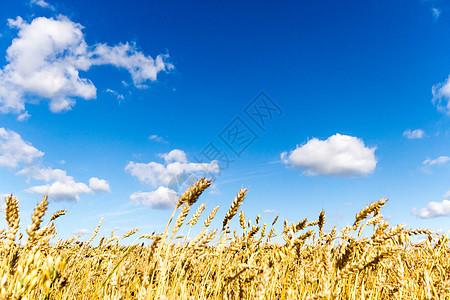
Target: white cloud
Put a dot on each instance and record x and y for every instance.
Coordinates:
(269, 211)
(339, 155)
(24, 116)
(61, 190)
(157, 138)
(45, 174)
(45, 59)
(436, 13)
(141, 67)
(157, 174)
(62, 186)
(81, 231)
(441, 96)
(14, 150)
(119, 97)
(446, 196)
(174, 156)
(414, 134)
(433, 210)
(176, 172)
(99, 185)
(42, 4)
(441, 160)
(162, 198)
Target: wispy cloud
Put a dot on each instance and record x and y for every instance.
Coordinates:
(441, 96)
(117, 213)
(250, 175)
(441, 160)
(214, 189)
(414, 134)
(436, 12)
(446, 195)
(42, 4)
(339, 155)
(119, 97)
(23, 116)
(157, 138)
(82, 231)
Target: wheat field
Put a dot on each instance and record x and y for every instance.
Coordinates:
(255, 262)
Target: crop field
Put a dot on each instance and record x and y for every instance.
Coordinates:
(369, 259)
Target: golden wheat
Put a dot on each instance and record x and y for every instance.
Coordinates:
(309, 264)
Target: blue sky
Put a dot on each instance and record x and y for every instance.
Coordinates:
(104, 106)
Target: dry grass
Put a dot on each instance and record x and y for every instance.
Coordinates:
(250, 264)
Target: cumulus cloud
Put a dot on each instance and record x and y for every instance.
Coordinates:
(176, 164)
(441, 96)
(15, 153)
(166, 177)
(14, 150)
(414, 134)
(441, 160)
(45, 59)
(45, 174)
(162, 198)
(62, 186)
(339, 155)
(174, 156)
(434, 209)
(61, 190)
(99, 185)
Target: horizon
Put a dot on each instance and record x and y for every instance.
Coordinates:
(114, 110)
